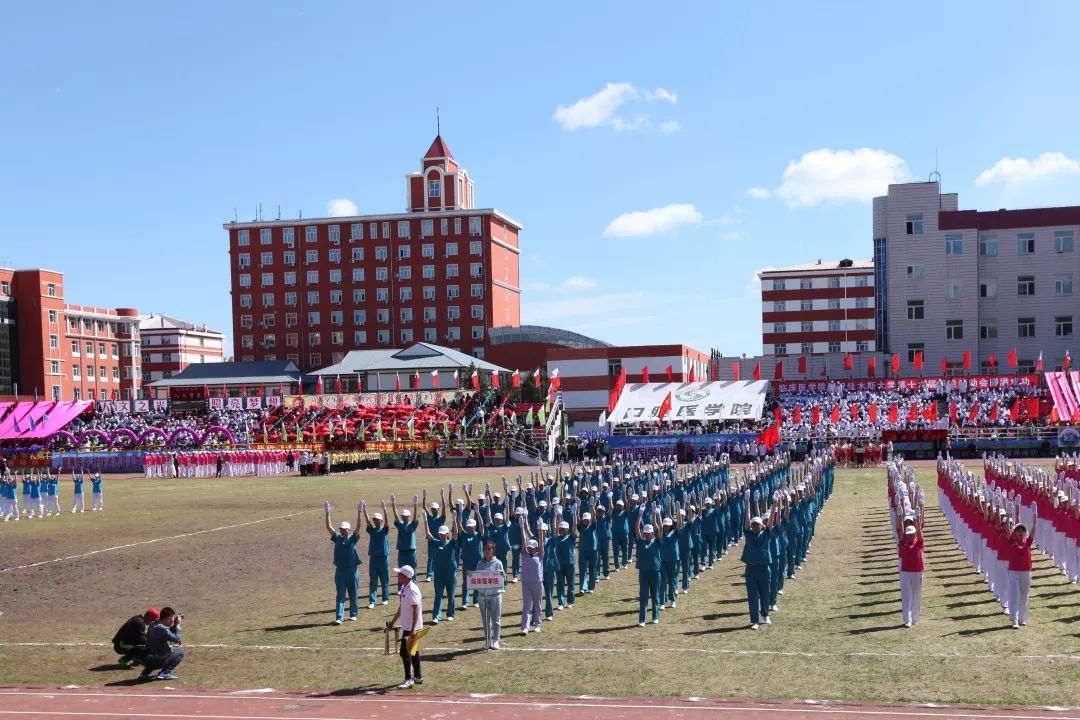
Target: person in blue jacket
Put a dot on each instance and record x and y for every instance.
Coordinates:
(648, 567)
(565, 552)
(378, 555)
(620, 535)
(603, 540)
(346, 563)
(434, 518)
(442, 545)
(588, 550)
(757, 558)
(669, 561)
(78, 501)
(470, 540)
(406, 525)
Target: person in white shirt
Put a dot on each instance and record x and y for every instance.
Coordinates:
(410, 610)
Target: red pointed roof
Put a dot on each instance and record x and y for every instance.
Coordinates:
(438, 149)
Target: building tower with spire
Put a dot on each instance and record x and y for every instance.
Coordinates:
(443, 272)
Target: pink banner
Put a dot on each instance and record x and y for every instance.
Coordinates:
(980, 382)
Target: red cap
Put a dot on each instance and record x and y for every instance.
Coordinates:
(153, 613)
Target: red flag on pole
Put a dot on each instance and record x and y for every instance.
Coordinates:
(872, 412)
(1014, 411)
(967, 360)
(243, 391)
(735, 371)
(553, 382)
(475, 380)
(536, 377)
(994, 413)
(337, 385)
(665, 406)
(835, 415)
(778, 371)
(416, 381)
(1011, 360)
(1068, 361)
(319, 386)
(796, 414)
(913, 412)
(757, 371)
(973, 413)
(871, 367)
(802, 364)
(854, 412)
(918, 360)
(848, 362)
(397, 383)
(1033, 408)
(645, 374)
(778, 416)
(896, 364)
(930, 413)
(1054, 417)
(815, 415)
(435, 379)
(669, 371)
(515, 379)
(693, 377)
(991, 361)
(894, 413)
(495, 379)
(944, 366)
(1038, 363)
(952, 413)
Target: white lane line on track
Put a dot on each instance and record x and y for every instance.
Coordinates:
(700, 651)
(613, 704)
(150, 542)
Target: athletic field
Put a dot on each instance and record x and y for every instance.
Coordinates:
(248, 563)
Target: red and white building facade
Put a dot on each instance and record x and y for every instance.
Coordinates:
(588, 375)
(819, 308)
(169, 345)
(442, 272)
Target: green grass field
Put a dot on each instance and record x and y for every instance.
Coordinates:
(262, 593)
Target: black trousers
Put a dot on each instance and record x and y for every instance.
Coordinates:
(165, 663)
(411, 662)
(130, 652)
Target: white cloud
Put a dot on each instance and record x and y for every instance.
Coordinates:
(642, 223)
(758, 193)
(602, 109)
(340, 207)
(578, 283)
(1020, 170)
(730, 236)
(670, 127)
(838, 176)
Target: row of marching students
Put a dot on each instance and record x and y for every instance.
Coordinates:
(990, 530)
(781, 503)
(1056, 495)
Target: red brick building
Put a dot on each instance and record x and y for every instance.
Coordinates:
(169, 345)
(444, 271)
(63, 351)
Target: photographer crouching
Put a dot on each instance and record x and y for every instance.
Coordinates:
(162, 634)
(130, 640)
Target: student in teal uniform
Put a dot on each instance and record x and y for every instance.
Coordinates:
(78, 502)
(686, 546)
(378, 555)
(564, 551)
(620, 535)
(588, 551)
(497, 531)
(669, 561)
(603, 540)
(36, 503)
(470, 539)
(434, 519)
(406, 525)
(443, 548)
(97, 498)
(757, 558)
(346, 563)
(648, 567)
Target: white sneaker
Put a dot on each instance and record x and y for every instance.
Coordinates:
(656, 621)
(536, 628)
(337, 622)
(907, 624)
(768, 621)
(495, 646)
(1016, 626)
(641, 624)
(779, 592)
(773, 609)
(435, 621)
(352, 618)
(525, 631)
(406, 685)
(385, 602)
(753, 626)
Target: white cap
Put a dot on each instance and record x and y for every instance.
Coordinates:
(668, 521)
(443, 530)
(434, 506)
(601, 508)
(344, 526)
(682, 512)
(406, 513)
(532, 544)
(635, 496)
(519, 511)
(496, 495)
(377, 516)
(647, 528)
(544, 527)
(470, 523)
(406, 570)
(708, 501)
(459, 501)
(755, 519)
(550, 477)
(543, 503)
(498, 516)
(909, 530)
(564, 525)
(620, 502)
(586, 516)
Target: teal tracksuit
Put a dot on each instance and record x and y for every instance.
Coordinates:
(444, 565)
(564, 551)
(406, 542)
(669, 566)
(648, 566)
(471, 547)
(346, 572)
(757, 558)
(379, 562)
(588, 556)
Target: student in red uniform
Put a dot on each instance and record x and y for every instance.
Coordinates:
(910, 549)
(1020, 571)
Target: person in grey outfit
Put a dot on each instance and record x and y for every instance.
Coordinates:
(532, 579)
(162, 634)
(490, 599)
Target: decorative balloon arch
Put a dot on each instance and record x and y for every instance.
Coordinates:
(127, 439)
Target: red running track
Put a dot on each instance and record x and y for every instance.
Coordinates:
(161, 701)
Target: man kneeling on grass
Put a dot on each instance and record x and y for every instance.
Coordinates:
(129, 642)
(160, 653)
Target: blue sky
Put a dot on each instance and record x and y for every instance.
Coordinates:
(657, 155)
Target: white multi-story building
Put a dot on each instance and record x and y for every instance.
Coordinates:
(169, 345)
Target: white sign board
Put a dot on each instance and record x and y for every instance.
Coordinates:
(485, 580)
(641, 402)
